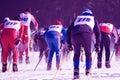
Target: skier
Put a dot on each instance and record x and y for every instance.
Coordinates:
(40, 41)
(79, 34)
(26, 18)
(117, 43)
(106, 29)
(10, 38)
(63, 44)
(52, 37)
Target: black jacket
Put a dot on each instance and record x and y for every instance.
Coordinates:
(73, 30)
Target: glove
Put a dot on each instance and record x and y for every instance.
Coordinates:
(115, 45)
(36, 29)
(97, 48)
(70, 47)
(17, 41)
(62, 41)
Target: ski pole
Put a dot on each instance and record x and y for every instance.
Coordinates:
(32, 32)
(37, 64)
(112, 54)
(10, 61)
(54, 77)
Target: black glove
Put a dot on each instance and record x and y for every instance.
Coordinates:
(97, 48)
(70, 47)
(115, 45)
(62, 41)
(17, 41)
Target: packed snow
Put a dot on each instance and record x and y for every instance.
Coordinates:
(26, 71)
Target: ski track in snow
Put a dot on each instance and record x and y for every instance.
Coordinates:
(26, 71)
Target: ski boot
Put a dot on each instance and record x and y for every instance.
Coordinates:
(27, 60)
(76, 73)
(4, 67)
(15, 68)
(58, 65)
(107, 64)
(87, 72)
(49, 65)
(99, 65)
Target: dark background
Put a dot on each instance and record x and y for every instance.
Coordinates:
(47, 11)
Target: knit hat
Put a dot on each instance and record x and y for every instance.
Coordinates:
(57, 22)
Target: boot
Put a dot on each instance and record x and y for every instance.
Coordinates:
(76, 73)
(107, 64)
(15, 68)
(58, 65)
(49, 66)
(20, 59)
(27, 60)
(99, 65)
(4, 67)
(87, 72)
(88, 67)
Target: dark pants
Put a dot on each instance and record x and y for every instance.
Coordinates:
(43, 48)
(105, 42)
(84, 39)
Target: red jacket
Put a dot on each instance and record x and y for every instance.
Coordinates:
(106, 27)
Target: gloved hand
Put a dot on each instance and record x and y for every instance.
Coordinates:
(62, 41)
(36, 29)
(97, 48)
(17, 41)
(115, 45)
(70, 47)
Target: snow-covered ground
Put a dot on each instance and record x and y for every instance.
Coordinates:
(26, 71)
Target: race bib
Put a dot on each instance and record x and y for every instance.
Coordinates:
(57, 28)
(12, 24)
(85, 20)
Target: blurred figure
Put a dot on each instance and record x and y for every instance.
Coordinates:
(80, 34)
(53, 36)
(106, 29)
(117, 43)
(31, 43)
(63, 45)
(10, 38)
(40, 41)
(26, 18)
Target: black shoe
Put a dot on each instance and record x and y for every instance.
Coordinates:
(107, 64)
(4, 67)
(87, 72)
(27, 60)
(15, 68)
(99, 65)
(49, 65)
(76, 73)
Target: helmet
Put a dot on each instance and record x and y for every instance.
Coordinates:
(57, 22)
(87, 12)
(6, 19)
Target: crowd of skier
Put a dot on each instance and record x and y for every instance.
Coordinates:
(83, 31)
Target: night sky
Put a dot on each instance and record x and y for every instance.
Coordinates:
(12, 8)
(45, 11)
